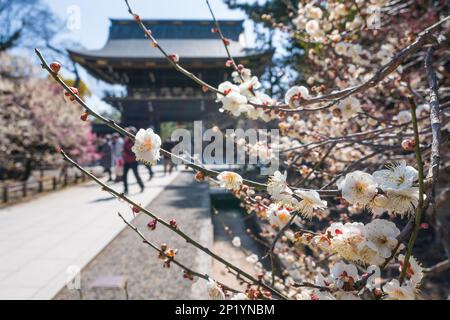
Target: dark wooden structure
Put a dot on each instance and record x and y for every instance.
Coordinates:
(155, 91)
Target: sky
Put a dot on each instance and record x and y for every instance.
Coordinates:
(87, 22)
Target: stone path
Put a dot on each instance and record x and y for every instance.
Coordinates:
(45, 239)
(188, 202)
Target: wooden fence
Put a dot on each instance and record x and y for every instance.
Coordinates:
(13, 192)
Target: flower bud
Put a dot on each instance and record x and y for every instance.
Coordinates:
(199, 176)
(173, 223)
(69, 96)
(408, 144)
(226, 41)
(135, 209)
(174, 57)
(55, 66)
(84, 116)
(152, 224)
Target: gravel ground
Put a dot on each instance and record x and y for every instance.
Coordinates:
(188, 202)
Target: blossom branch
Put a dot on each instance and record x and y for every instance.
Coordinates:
(420, 206)
(177, 230)
(172, 259)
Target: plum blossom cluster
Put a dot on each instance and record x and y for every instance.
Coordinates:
(392, 190)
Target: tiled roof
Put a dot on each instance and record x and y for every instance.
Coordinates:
(175, 29)
(185, 48)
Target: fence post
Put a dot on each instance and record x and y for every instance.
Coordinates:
(24, 189)
(5, 193)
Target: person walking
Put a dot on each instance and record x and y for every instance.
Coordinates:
(106, 153)
(130, 162)
(167, 161)
(117, 155)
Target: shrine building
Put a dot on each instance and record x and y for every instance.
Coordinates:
(155, 91)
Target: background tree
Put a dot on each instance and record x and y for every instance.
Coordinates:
(35, 122)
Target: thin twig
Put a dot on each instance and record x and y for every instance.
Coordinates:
(177, 230)
(172, 260)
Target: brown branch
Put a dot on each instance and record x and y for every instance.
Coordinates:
(172, 260)
(177, 230)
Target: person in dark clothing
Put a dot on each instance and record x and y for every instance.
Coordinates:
(150, 172)
(167, 162)
(130, 163)
(106, 160)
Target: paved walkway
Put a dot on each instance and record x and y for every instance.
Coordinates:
(188, 202)
(42, 239)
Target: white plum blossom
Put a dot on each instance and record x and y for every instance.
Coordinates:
(253, 258)
(245, 73)
(403, 201)
(358, 187)
(414, 271)
(397, 176)
(341, 48)
(310, 201)
(346, 239)
(235, 103)
(397, 183)
(236, 242)
(279, 190)
(277, 183)
(313, 12)
(214, 291)
(239, 296)
(344, 275)
(230, 180)
(226, 87)
(312, 27)
(248, 87)
(367, 244)
(349, 107)
(146, 146)
(381, 236)
(395, 291)
(404, 117)
(278, 216)
(296, 93)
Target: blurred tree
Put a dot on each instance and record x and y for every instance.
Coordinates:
(35, 122)
(279, 74)
(26, 23)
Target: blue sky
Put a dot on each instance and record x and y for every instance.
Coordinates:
(94, 15)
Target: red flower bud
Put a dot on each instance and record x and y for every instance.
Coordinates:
(424, 225)
(55, 66)
(137, 17)
(69, 96)
(229, 63)
(174, 57)
(84, 116)
(226, 41)
(135, 209)
(205, 89)
(214, 30)
(152, 224)
(199, 176)
(408, 144)
(173, 223)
